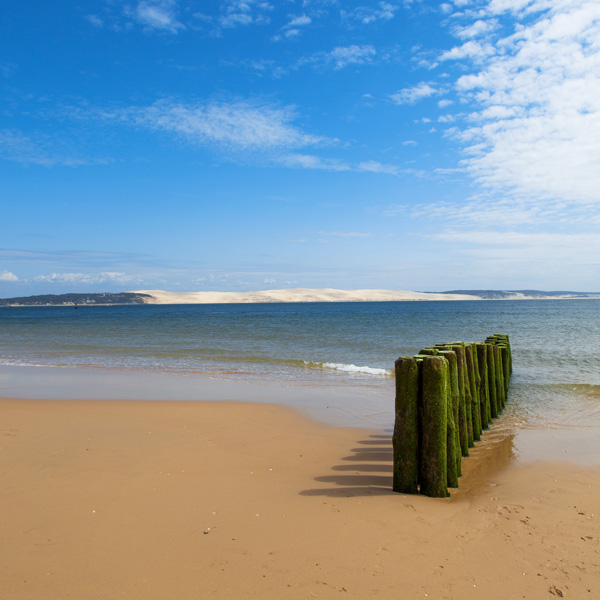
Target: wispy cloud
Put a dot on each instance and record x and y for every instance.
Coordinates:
(372, 166)
(250, 132)
(158, 15)
(235, 125)
(293, 28)
(508, 212)
(341, 56)
(384, 11)
(564, 250)
(40, 150)
(75, 258)
(413, 94)
(87, 278)
(171, 16)
(245, 12)
(95, 20)
(309, 161)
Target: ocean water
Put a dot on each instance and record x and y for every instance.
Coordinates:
(333, 360)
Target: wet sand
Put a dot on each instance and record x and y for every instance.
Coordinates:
(154, 500)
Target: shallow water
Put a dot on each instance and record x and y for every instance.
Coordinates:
(331, 360)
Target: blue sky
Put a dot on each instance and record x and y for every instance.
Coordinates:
(242, 145)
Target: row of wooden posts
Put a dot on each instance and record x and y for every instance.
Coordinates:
(445, 397)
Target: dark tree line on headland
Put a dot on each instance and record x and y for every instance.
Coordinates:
(78, 299)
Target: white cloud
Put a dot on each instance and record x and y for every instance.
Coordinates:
(301, 21)
(95, 20)
(291, 29)
(373, 166)
(235, 19)
(245, 12)
(413, 94)
(473, 50)
(308, 161)
(342, 56)
(236, 125)
(535, 129)
(478, 28)
(158, 14)
(8, 276)
(86, 278)
(384, 11)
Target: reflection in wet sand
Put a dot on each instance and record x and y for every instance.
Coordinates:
(487, 460)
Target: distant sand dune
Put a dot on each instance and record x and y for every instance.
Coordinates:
(295, 295)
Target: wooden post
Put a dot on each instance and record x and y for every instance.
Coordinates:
(491, 364)
(505, 352)
(434, 474)
(463, 425)
(475, 410)
(500, 396)
(405, 439)
(453, 442)
(484, 394)
(445, 396)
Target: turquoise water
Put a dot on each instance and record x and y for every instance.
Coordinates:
(339, 354)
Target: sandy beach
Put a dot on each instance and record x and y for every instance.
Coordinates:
(126, 499)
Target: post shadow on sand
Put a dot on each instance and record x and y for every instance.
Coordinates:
(366, 472)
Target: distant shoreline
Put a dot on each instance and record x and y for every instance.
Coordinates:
(301, 295)
(335, 295)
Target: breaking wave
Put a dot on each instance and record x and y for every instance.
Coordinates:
(365, 370)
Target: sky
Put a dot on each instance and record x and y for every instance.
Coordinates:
(239, 145)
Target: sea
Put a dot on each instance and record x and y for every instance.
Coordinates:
(332, 361)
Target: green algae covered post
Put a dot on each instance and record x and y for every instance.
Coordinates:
(463, 417)
(471, 361)
(445, 397)
(453, 439)
(505, 351)
(434, 474)
(500, 396)
(429, 351)
(484, 395)
(491, 364)
(406, 427)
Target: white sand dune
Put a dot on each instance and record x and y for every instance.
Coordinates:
(294, 295)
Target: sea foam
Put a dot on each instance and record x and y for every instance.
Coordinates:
(365, 370)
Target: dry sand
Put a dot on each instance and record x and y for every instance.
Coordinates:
(191, 500)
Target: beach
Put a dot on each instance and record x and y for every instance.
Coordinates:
(134, 499)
